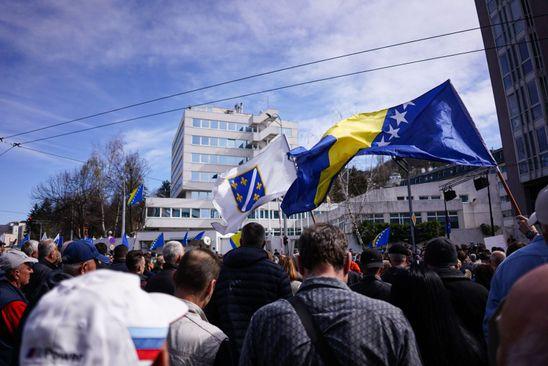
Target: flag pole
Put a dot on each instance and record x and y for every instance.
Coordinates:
(123, 210)
(508, 192)
(313, 218)
(405, 167)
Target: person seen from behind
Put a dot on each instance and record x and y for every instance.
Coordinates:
(119, 259)
(522, 261)
(248, 280)
(348, 328)
(162, 281)
(371, 284)
(288, 265)
(192, 340)
(399, 257)
(17, 269)
(441, 338)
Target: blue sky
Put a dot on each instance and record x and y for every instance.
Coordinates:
(61, 60)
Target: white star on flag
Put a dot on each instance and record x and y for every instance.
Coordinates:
(399, 117)
(382, 143)
(406, 104)
(393, 132)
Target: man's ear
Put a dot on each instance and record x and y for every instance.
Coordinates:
(347, 261)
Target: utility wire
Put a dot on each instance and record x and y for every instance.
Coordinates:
(283, 87)
(67, 158)
(268, 73)
(7, 150)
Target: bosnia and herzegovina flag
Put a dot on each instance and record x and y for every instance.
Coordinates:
(136, 196)
(382, 238)
(435, 126)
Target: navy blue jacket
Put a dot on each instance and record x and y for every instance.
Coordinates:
(248, 281)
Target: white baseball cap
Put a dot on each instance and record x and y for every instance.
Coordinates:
(13, 258)
(541, 209)
(100, 318)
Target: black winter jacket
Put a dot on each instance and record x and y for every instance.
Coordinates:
(374, 288)
(468, 299)
(248, 280)
(40, 273)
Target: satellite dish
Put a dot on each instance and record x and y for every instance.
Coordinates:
(207, 240)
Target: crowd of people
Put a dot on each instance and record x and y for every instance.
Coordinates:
(444, 305)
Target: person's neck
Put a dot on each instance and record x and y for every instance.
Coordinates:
(193, 298)
(14, 283)
(325, 270)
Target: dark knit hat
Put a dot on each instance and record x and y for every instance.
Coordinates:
(440, 252)
(371, 258)
(399, 248)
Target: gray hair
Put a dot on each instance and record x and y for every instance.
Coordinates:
(45, 248)
(30, 247)
(172, 252)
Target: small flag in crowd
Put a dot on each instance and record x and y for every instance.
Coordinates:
(435, 126)
(235, 240)
(136, 196)
(24, 240)
(199, 236)
(158, 242)
(244, 188)
(44, 236)
(382, 238)
(58, 240)
(448, 227)
(185, 239)
(125, 241)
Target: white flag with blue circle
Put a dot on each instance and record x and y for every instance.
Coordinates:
(244, 188)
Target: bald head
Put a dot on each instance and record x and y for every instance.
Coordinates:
(496, 258)
(523, 323)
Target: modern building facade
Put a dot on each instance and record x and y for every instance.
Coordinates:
(515, 35)
(210, 141)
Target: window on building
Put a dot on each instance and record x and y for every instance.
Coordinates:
(196, 140)
(195, 213)
(400, 218)
(287, 131)
(205, 213)
(275, 214)
(435, 197)
(517, 13)
(541, 138)
(523, 168)
(153, 212)
(374, 217)
(463, 197)
(423, 198)
(513, 105)
(214, 125)
(175, 212)
(196, 123)
(166, 212)
(185, 212)
(520, 148)
(439, 216)
(400, 198)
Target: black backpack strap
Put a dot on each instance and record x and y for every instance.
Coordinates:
(313, 331)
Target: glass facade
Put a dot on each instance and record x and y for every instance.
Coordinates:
(195, 213)
(439, 216)
(221, 142)
(221, 125)
(218, 159)
(524, 84)
(207, 177)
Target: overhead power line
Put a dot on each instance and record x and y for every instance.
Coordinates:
(270, 72)
(283, 87)
(67, 158)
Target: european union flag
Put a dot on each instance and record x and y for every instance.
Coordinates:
(158, 242)
(185, 239)
(247, 188)
(382, 238)
(136, 196)
(435, 126)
